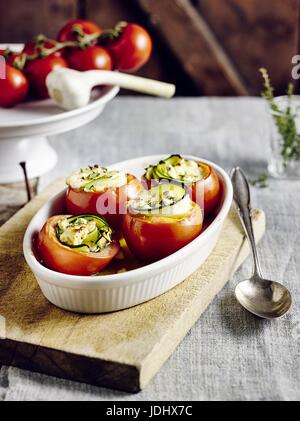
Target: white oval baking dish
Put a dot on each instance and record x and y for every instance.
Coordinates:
(99, 294)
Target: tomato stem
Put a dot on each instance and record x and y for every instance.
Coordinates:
(83, 41)
(114, 32)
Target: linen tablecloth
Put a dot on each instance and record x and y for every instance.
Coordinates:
(229, 354)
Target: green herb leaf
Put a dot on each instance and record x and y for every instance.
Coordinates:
(261, 181)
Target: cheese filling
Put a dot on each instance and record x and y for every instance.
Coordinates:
(96, 179)
(165, 199)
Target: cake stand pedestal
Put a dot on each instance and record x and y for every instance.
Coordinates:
(24, 130)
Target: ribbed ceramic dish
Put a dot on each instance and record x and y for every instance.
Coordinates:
(104, 293)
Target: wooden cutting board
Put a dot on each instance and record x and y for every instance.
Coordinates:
(121, 350)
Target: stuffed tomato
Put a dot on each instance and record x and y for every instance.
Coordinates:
(200, 179)
(102, 192)
(76, 245)
(160, 221)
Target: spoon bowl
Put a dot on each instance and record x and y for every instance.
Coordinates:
(266, 299)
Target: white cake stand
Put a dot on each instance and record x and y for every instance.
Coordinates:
(23, 131)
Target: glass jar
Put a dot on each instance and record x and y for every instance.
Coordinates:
(284, 160)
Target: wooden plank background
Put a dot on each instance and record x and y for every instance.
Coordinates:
(210, 47)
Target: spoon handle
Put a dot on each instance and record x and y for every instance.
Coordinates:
(241, 193)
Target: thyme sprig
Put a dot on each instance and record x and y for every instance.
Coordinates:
(284, 119)
(261, 181)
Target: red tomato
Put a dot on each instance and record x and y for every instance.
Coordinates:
(131, 49)
(153, 237)
(68, 32)
(37, 70)
(90, 58)
(209, 186)
(14, 88)
(79, 201)
(61, 258)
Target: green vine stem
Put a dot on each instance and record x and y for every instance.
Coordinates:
(114, 33)
(83, 41)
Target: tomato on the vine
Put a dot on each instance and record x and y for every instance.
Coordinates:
(14, 88)
(129, 45)
(90, 58)
(37, 70)
(76, 29)
(80, 43)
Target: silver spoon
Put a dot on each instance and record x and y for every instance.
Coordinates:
(264, 298)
